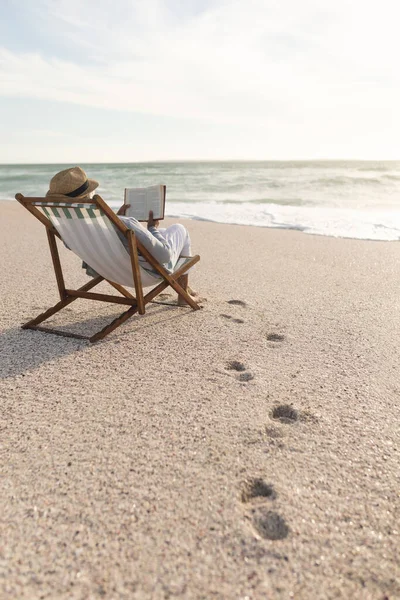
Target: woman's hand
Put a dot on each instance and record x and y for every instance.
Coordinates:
(122, 210)
(151, 222)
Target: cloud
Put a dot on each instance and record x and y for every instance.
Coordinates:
(45, 133)
(258, 62)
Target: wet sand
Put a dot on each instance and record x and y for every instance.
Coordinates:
(249, 450)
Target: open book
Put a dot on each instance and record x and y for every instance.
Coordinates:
(143, 200)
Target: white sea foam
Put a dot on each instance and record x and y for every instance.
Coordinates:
(336, 222)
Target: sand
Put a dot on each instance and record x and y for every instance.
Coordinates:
(249, 450)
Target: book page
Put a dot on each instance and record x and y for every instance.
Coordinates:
(143, 200)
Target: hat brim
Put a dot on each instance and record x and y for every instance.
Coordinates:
(93, 184)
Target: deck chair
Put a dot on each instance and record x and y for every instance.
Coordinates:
(87, 228)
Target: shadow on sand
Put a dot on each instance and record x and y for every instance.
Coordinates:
(24, 350)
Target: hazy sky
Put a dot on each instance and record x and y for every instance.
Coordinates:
(132, 80)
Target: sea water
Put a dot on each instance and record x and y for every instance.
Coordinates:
(334, 198)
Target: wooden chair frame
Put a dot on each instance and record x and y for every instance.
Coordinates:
(136, 304)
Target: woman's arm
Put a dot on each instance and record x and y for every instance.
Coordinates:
(122, 209)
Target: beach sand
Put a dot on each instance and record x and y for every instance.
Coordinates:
(249, 450)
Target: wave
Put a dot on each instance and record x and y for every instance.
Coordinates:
(279, 201)
(333, 222)
(390, 177)
(345, 180)
(378, 166)
(13, 179)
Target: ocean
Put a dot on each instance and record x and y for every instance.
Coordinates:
(350, 199)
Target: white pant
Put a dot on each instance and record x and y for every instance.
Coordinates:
(178, 239)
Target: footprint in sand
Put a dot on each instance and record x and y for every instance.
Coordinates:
(237, 303)
(246, 377)
(275, 337)
(285, 413)
(256, 488)
(236, 365)
(269, 524)
(231, 318)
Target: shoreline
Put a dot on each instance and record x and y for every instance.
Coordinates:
(249, 449)
(279, 228)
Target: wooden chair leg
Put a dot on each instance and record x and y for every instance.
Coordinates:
(56, 263)
(113, 325)
(168, 281)
(152, 294)
(121, 290)
(136, 272)
(48, 313)
(173, 281)
(182, 293)
(183, 281)
(51, 311)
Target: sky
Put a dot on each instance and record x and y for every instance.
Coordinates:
(149, 80)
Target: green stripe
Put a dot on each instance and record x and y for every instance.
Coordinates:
(79, 213)
(46, 212)
(67, 213)
(64, 204)
(91, 213)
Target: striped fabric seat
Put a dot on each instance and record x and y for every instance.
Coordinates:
(89, 233)
(94, 232)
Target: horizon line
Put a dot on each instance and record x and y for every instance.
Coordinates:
(202, 160)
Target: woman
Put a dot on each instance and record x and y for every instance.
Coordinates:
(166, 245)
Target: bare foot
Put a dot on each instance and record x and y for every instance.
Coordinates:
(194, 295)
(192, 292)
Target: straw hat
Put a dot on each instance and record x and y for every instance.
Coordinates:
(72, 183)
